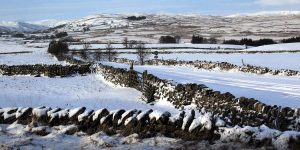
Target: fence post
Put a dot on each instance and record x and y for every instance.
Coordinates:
(131, 66)
(144, 78)
(131, 75)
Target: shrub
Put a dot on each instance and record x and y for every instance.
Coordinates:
(58, 47)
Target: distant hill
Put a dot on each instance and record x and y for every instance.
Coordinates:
(20, 27)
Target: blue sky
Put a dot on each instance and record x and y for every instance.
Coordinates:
(31, 10)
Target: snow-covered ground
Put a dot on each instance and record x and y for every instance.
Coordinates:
(272, 90)
(277, 47)
(90, 91)
(14, 45)
(36, 53)
(17, 136)
(271, 60)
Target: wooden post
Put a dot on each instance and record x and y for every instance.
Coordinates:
(130, 81)
(144, 78)
(131, 66)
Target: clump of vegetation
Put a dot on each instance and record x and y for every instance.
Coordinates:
(58, 47)
(135, 18)
(169, 39)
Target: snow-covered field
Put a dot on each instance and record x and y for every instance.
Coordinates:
(271, 60)
(35, 53)
(277, 47)
(90, 91)
(272, 90)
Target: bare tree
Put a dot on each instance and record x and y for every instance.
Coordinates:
(142, 52)
(84, 55)
(110, 52)
(212, 40)
(132, 43)
(98, 56)
(86, 46)
(125, 42)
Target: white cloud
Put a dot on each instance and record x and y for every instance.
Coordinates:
(278, 2)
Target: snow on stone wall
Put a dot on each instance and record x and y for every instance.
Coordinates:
(234, 111)
(47, 70)
(147, 124)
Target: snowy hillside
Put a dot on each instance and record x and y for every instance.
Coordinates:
(49, 22)
(267, 13)
(11, 26)
(115, 27)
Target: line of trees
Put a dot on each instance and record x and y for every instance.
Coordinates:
(291, 40)
(142, 52)
(136, 18)
(109, 54)
(196, 39)
(250, 42)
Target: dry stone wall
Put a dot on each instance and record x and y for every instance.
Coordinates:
(147, 123)
(225, 66)
(233, 110)
(46, 70)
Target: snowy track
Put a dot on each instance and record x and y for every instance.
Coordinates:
(273, 90)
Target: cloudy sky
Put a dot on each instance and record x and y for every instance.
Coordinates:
(31, 10)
